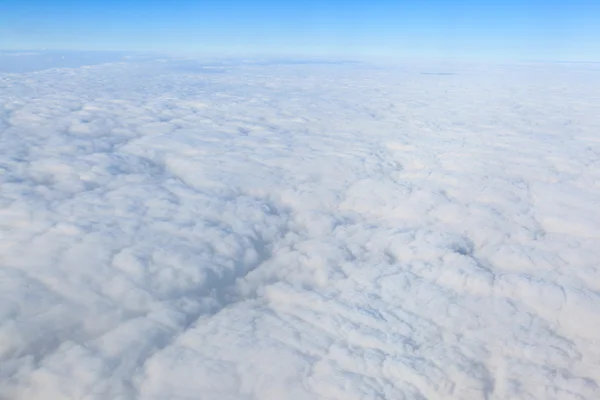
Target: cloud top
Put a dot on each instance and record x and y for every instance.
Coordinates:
(299, 231)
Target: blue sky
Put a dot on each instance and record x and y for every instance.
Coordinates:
(545, 30)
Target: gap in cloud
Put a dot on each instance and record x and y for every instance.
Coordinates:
(303, 62)
(438, 73)
(207, 65)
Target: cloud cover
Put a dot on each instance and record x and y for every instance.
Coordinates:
(300, 231)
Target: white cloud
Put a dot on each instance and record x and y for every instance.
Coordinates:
(299, 231)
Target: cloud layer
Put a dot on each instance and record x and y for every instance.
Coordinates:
(300, 231)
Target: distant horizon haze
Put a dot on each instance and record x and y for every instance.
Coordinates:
(509, 30)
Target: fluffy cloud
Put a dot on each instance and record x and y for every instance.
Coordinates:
(299, 231)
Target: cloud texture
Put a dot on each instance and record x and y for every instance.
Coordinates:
(300, 231)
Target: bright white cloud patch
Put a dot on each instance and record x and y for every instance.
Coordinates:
(281, 231)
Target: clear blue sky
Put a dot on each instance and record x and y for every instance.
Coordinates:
(511, 29)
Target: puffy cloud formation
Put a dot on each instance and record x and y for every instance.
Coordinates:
(300, 231)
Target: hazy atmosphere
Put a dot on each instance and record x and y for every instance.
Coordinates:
(269, 200)
(391, 29)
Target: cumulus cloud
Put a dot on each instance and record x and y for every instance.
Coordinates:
(299, 231)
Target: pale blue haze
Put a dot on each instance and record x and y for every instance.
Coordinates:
(547, 30)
